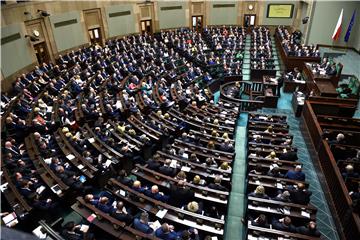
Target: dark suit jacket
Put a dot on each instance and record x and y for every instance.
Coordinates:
(300, 196)
(167, 171)
(153, 165)
(289, 156)
(180, 196)
(281, 226)
(218, 187)
(307, 231)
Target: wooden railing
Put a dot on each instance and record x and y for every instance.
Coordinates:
(349, 220)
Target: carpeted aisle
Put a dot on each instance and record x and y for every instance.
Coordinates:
(237, 200)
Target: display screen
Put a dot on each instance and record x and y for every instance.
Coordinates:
(280, 10)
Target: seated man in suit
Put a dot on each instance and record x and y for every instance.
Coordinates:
(73, 232)
(300, 195)
(349, 172)
(296, 174)
(283, 224)
(153, 163)
(154, 193)
(71, 179)
(142, 223)
(288, 155)
(340, 139)
(180, 194)
(124, 179)
(121, 214)
(190, 234)
(226, 146)
(284, 197)
(332, 70)
(217, 185)
(260, 221)
(310, 229)
(166, 232)
(105, 205)
(166, 169)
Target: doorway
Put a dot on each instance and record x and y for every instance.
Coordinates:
(94, 25)
(95, 36)
(146, 26)
(41, 52)
(197, 23)
(249, 20)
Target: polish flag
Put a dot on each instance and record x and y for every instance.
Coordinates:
(337, 30)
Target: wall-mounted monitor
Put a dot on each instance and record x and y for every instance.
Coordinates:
(280, 10)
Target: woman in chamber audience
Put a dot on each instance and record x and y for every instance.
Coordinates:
(259, 192)
(225, 166)
(198, 181)
(272, 156)
(210, 162)
(194, 207)
(181, 176)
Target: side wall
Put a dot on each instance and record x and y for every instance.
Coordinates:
(69, 30)
(120, 20)
(15, 49)
(325, 17)
(223, 12)
(171, 14)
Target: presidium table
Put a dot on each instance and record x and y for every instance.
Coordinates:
(319, 82)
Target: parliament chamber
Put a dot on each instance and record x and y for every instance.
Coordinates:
(180, 120)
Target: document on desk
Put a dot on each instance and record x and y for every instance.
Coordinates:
(155, 225)
(173, 163)
(91, 140)
(84, 228)
(286, 211)
(161, 213)
(279, 186)
(40, 189)
(70, 157)
(185, 169)
(3, 187)
(305, 214)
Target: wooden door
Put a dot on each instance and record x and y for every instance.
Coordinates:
(95, 36)
(197, 23)
(41, 52)
(146, 26)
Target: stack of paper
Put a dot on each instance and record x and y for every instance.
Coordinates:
(161, 213)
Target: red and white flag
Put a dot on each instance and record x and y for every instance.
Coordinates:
(337, 30)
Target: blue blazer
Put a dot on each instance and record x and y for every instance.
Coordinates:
(142, 227)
